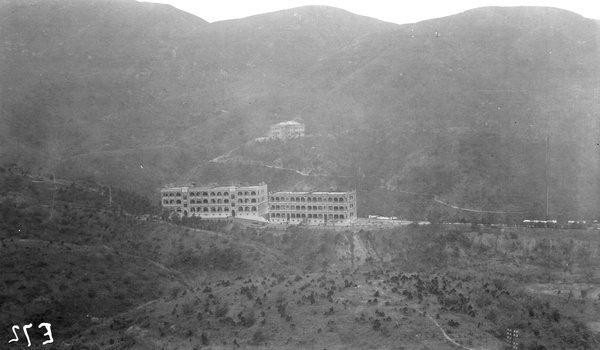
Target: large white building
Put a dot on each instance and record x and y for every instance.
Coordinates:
(217, 201)
(286, 130)
(255, 203)
(312, 208)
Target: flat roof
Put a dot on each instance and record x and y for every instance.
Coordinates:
(210, 186)
(311, 192)
(291, 122)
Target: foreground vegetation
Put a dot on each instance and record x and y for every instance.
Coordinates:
(107, 279)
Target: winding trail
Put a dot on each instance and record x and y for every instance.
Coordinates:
(447, 337)
(435, 199)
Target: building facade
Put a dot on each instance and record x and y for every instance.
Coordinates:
(312, 208)
(217, 201)
(286, 130)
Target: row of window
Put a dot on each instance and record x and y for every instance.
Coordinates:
(217, 209)
(221, 209)
(302, 207)
(212, 201)
(308, 216)
(308, 199)
(206, 194)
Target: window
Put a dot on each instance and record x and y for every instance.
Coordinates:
(205, 193)
(179, 201)
(253, 200)
(245, 193)
(253, 208)
(178, 194)
(192, 201)
(226, 193)
(212, 201)
(212, 193)
(253, 193)
(219, 194)
(205, 201)
(226, 201)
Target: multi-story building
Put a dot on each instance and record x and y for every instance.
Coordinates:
(217, 201)
(286, 130)
(312, 207)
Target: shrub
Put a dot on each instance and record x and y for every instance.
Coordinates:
(221, 310)
(258, 337)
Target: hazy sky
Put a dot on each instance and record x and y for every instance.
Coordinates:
(392, 11)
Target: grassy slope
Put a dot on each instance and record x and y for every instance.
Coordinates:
(88, 258)
(158, 285)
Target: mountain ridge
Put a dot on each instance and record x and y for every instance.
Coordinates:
(510, 78)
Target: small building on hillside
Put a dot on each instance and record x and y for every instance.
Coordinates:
(217, 201)
(286, 130)
(312, 207)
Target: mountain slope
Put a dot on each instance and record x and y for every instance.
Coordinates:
(489, 103)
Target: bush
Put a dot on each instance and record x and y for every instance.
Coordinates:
(221, 310)
(258, 337)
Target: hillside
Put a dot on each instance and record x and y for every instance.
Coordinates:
(496, 112)
(106, 279)
(68, 253)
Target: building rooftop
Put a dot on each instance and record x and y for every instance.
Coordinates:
(291, 122)
(211, 185)
(311, 192)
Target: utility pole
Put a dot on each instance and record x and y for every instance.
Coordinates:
(547, 181)
(53, 196)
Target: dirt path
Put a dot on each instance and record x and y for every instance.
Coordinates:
(476, 210)
(447, 337)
